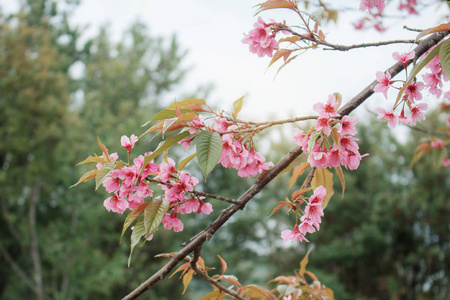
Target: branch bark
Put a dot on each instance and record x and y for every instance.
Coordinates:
(264, 179)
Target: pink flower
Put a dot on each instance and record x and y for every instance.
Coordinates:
(409, 7)
(307, 225)
(115, 204)
(334, 158)
(384, 83)
(359, 25)
(437, 144)
(323, 123)
(128, 142)
(353, 160)
(446, 162)
(347, 125)
(368, 4)
(416, 113)
(260, 39)
(434, 83)
(318, 157)
(171, 221)
(111, 184)
(301, 138)
(404, 57)
(205, 208)
(166, 169)
(328, 109)
(313, 210)
(413, 91)
(390, 116)
(293, 235)
(188, 207)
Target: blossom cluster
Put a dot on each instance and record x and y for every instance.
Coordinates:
(261, 39)
(130, 187)
(321, 153)
(432, 81)
(375, 8)
(236, 154)
(310, 221)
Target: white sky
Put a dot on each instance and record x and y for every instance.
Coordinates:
(212, 32)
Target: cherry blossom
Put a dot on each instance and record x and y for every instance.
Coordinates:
(170, 221)
(329, 109)
(384, 83)
(404, 57)
(390, 116)
(293, 235)
(115, 204)
(348, 125)
(128, 142)
(369, 4)
(417, 113)
(260, 39)
(413, 91)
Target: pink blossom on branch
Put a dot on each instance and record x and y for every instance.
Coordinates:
(369, 4)
(293, 235)
(384, 82)
(417, 113)
(413, 91)
(260, 39)
(390, 116)
(128, 142)
(404, 57)
(329, 109)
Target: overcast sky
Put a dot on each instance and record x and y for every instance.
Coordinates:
(212, 32)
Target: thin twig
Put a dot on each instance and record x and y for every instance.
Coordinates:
(260, 126)
(346, 47)
(205, 277)
(197, 193)
(432, 132)
(412, 29)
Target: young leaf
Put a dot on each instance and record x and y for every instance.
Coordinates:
(186, 103)
(279, 54)
(154, 213)
(103, 173)
(298, 193)
(132, 216)
(278, 207)
(169, 142)
(237, 106)
(298, 170)
(439, 28)
(185, 161)
(104, 149)
(303, 264)
(209, 149)
(224, 264)
(88, 175)
(216, 294)
(257, 292)
(341, 178)
(168, 114)
(273, 4)
(324, 178)
(187, 279)
(138, 231)
(92, 159)
(444, 56)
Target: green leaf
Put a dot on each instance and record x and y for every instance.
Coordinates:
(186, 102)
(237, 106)
(185, 161)
(169, 142)
(417, 68)
(132, 216)
(136, 236)
(444, 56)
(168, 114)
(103, 173)
(92, 159)
(209, 149)
(312, 141)
(154, 213)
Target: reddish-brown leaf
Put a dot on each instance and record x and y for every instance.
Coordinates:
(278, 207)
(86, 176)
(273, 4)
(439, 28)
(105, 150)
(298, 193)
(224, 264)
(298, 170)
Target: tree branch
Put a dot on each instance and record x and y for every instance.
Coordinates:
(205, 277)
(263, 180)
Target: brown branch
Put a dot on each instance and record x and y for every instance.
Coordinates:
(197, 193)
(208, 279)
(345, 47)
(268, 177)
